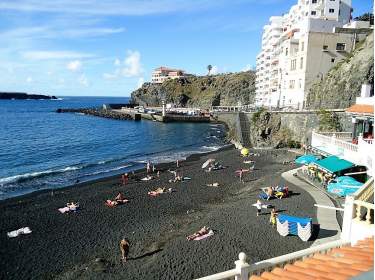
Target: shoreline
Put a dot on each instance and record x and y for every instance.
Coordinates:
(85, 244)
(137, 171)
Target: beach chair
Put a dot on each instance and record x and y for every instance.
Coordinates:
(292, 225)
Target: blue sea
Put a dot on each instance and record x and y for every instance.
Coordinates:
(42, 149)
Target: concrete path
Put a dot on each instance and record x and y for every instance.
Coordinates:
(326, 217)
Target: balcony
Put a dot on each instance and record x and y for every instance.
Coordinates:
(339, 144)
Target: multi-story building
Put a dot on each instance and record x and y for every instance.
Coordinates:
(299, 48)
(161, 74)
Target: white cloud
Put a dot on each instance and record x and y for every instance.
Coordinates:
(141, 80)
(117, 62)
(83, 80)
(133, 67)
(111, 7)
(111, 76)
(74, 65)
(214, 70)
(248, 67)
(46, 55)
(29, 79)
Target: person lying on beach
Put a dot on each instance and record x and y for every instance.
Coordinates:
(159, 191)
(213, 185)
(203, 231)
(119, 199)
(124, 248)
(147, 178)
(70, 207)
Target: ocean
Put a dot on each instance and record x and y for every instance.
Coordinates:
(42, 149)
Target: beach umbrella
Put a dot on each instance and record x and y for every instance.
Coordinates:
(306, 159)
(245, 152)
(207, 162)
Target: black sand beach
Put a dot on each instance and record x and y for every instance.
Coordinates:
(85, 245)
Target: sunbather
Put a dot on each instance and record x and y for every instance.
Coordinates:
(273, 217)
(147, 178)
(72, 206)
(119, 199)
(204, 230)
(159, 191)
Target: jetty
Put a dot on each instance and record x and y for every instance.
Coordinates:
(136, 113)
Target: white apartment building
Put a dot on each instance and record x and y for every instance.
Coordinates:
(161, 74)
(299, 48)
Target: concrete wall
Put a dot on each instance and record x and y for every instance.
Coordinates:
(300, 124)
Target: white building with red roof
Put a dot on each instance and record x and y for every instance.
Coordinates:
(161, 74)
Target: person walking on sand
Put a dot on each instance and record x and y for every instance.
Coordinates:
(148, 167)
(124, 247)
(258, 205)
(241, 175)
(177, 163)
(273, 217)
(125, 178)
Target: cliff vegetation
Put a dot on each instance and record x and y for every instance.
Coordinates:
(204, 91)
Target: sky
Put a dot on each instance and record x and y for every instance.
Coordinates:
(109, 48)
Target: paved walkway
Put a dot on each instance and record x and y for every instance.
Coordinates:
(329, 227)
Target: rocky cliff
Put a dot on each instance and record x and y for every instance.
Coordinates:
(205, 91)
(342, 83)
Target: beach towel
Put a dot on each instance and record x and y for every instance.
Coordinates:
(210, 233)
(265, 206)
(213, 185)
(158, 192)
(147, 178)
(15, 233)
(64, 209)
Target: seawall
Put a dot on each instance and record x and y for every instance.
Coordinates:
(277, 128)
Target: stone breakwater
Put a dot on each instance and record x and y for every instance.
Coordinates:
(109, 114)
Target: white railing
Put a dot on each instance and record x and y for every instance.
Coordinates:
(366, 191)
(331, 144)
(243, 270)
(338, 135)
(364, 207)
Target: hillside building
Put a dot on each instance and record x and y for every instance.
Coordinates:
(161, 74)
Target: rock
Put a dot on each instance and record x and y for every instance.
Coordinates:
(205, 91)
(23, 96)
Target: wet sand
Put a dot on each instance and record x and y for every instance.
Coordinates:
(85, 245)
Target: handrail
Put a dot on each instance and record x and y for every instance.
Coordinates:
(365, 191)
(269, 264)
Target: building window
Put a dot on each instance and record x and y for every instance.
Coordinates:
(302, 46)
(331, 11)
(286, 51)
(300, 83)
(332, 60)
(293, 64)
(325, 47)
(301, 63)
(340, 47)
(313, 13)
(314, 1)
(292, 84)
